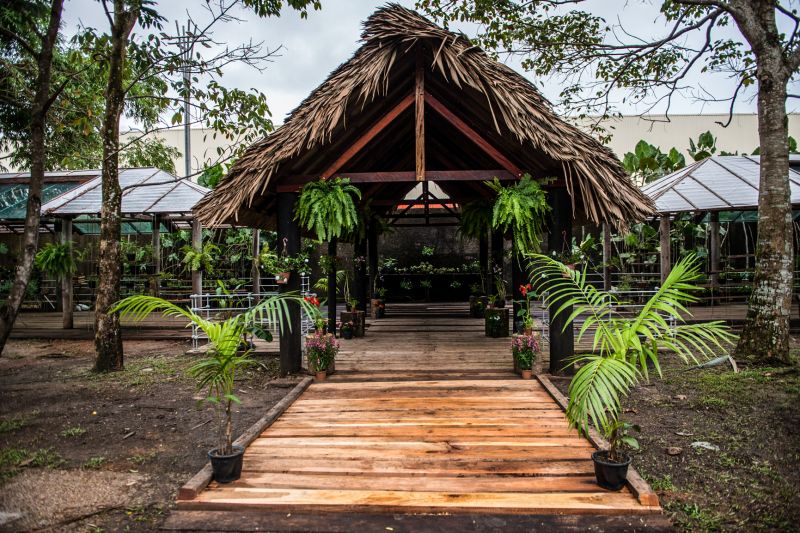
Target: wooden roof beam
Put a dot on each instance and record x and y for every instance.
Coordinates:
(362, 141)
(472, 135)
(419, 115)
(293, 183)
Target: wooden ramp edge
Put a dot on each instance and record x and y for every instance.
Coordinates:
(637, 485)
(200, 481)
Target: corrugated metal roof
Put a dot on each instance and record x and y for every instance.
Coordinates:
(152, 191)
(719, 183)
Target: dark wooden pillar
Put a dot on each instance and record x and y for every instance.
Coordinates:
(66, 280)
(562, 342)
(155, 284)
(713, 249)
(255, 269)
(666, 255)
(497, 260)
(290, 336)
(332, 286)
(517, 278)
(197, 244)
(360, 274)
(372, 259)
(606, 256)
(483, 258)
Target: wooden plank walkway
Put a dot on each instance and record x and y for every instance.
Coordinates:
(423, 416)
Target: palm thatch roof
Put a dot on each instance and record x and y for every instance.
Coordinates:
(491, 97)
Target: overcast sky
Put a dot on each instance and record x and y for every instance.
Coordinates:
(311, 48)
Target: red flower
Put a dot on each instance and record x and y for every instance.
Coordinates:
(312, 300)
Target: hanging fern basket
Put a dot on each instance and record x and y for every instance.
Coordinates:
(282, 278)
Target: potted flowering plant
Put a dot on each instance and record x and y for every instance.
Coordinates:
(525, 348)
(378, 303)
(524, 312)
(321, 352)
(346, 329)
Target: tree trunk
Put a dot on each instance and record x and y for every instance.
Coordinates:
(765, 338)
(30, 240)
(107, 333)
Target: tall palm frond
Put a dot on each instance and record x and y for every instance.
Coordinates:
(624, 346)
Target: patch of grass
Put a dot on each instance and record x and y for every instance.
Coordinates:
(142, 458)
(143, 372)
(94, 463)
(712, 401)
(662, 484)
(11, 459)
(74, 431)
(726, 460)
(692, 517)
(7, 425)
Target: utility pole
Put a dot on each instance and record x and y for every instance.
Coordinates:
(186, 39)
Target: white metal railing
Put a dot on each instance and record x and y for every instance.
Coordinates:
(212, 306)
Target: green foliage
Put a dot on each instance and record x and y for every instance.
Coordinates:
(73, 431)
(327, 208)
(521, 207)
(56, 259)
(622, 346)
(3, 248)
(135, 257)
(150, 153)
(8, 425)
(617, 433)
(647, 162)
(200, 260)
(273, 262)
(705, 147)
(476, 219)
(216, 371)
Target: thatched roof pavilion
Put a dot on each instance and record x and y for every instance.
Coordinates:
(479, 119)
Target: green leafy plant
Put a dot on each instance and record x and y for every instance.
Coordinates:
(321, 351)
(618, 436)
(201, 260)
(647, 162)
(521, 207)
(134, 256)
(327, 208)
(56, 260)
(273, 262)
(476, 219)
(622, 346)
(428, 251)
(406, 285)
(216, 371)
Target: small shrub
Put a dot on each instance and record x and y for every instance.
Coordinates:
(12, 424)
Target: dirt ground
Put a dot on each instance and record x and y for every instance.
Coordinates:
(81, 451)
(749, 479)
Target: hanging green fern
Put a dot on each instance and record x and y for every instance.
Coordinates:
(56, 259)
(327, 208)
(521, 207)
(476, 219)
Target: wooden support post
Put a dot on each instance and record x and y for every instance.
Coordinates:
(419, 114)
(197, 244)
(562, 341)
(497, 261)
(360, 275)
(332, 287)
(483, 258)
(66, 281)
(255, 270)
(372, 259)
(666, 255)
(291, 352)
(714, 249)
(606, 256)
(517, 278)
(155, 287)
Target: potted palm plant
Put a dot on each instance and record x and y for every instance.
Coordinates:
(624, 348)
(216, 371)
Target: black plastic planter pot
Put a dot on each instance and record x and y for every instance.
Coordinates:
(227, 468)
(610, 475)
